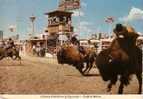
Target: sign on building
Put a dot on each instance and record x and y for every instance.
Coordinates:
(1, 35)
(69, 4)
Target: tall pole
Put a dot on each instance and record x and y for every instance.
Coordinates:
(109, 30)
(18, 20)
(110, 21)
(46, 36)
(79, 19)
(79, 23)
(32, 19)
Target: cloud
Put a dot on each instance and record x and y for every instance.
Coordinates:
(76, 13)
(134, 14)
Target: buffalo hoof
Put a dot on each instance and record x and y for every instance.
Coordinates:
(120, 91)
(108, 89)
(82, 73)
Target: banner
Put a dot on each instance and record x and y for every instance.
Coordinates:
(69, 4)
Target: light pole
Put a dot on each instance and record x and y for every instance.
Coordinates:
(110, 20)
(46, 34)
(32, 19)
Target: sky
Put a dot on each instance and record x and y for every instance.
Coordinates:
(93, 13)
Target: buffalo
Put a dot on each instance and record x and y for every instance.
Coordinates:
(72, 56)
(13, 53)
(121, 60)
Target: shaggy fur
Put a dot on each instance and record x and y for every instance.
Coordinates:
(70, 55)
(122, 59)
(12, 52)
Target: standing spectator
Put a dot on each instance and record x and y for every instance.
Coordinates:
(34, 49)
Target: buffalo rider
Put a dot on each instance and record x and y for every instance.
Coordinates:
(76, 43)
(124, 43)
(128, 33)
(10, 43)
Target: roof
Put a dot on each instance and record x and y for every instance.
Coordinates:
(59, 12)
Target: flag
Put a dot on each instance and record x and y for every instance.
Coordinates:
(69, 4)
(109, 20)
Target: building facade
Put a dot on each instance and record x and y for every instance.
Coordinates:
(59, 22)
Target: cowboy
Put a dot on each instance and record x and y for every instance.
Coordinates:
(128, 33)
(76, 43)
(74, 40)
(10, 44)
(127, 40)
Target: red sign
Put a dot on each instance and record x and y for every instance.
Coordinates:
(69, 4)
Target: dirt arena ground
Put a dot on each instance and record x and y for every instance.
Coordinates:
(45, 76)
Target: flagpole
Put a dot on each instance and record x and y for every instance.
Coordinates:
(110, 30)
(57, 4)
(79, 18)
(110, 21)
(79, 23)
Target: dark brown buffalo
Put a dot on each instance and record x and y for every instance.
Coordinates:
(71, 55)
(122, 59)
(11, 52)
